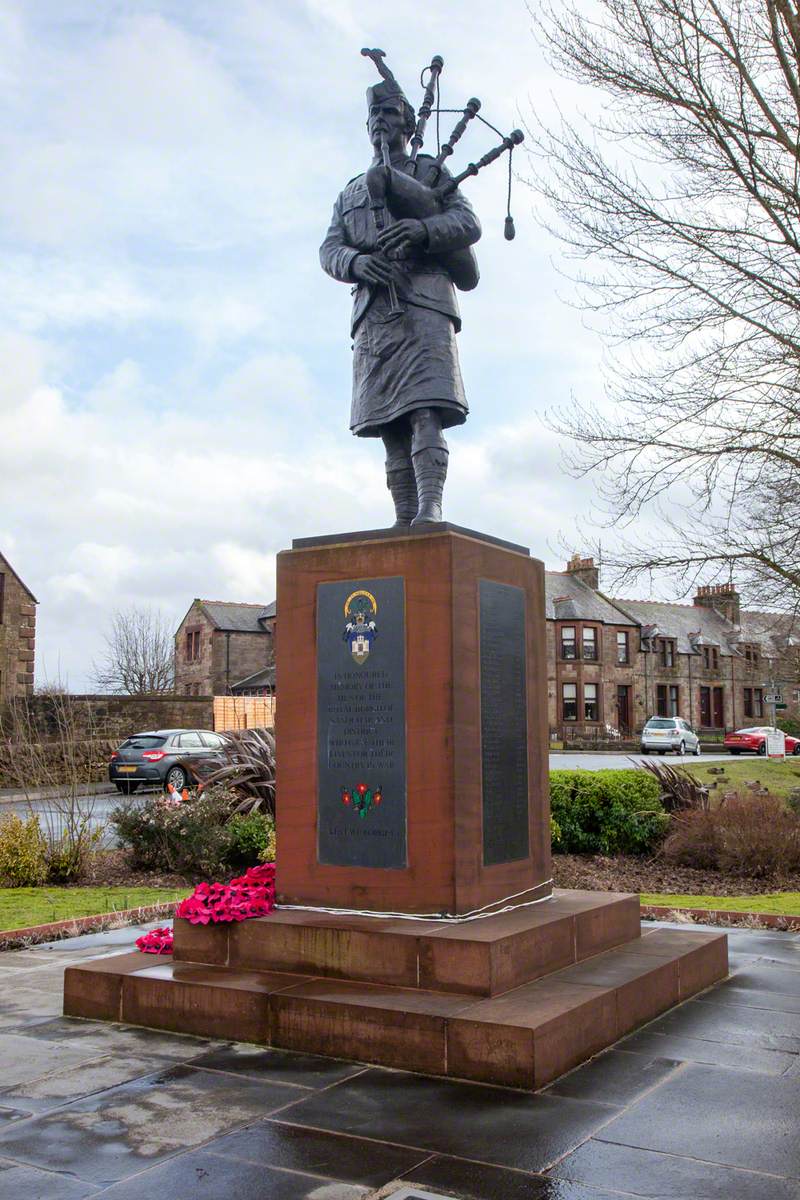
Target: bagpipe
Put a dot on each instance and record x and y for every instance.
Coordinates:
(406, 195)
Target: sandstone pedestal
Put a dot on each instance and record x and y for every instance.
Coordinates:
(412, 799)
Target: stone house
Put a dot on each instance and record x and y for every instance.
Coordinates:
(592, 654)
(17, 634)
(615, 662)
(221, 647)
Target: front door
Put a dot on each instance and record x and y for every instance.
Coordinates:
(705, 707)
(624, 707)
(719, 708)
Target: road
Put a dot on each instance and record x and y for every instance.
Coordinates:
(105, 802)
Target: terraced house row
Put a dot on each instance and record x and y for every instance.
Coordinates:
(615, 662)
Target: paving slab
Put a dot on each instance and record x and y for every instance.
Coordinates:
(106, 1137)
(668, 1176)
(206, 1176)
(490, 1125)
(19, 1182)
(699, 1104)
(748, 1120)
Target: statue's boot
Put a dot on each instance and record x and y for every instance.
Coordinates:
(402, 483)
(430, 469)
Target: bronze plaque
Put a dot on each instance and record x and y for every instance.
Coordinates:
(361, 723)
(504, 723)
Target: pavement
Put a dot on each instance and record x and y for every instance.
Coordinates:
(702, 1104)
(601, 760)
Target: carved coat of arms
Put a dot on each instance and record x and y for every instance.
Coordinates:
(360, 610)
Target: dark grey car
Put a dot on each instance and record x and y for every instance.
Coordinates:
(157, 757)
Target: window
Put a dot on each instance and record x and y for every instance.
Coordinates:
(751, 654)
(568, 646)
(666, 650)
(661, 700)
(590, 709)
(672, 700)
(590, 643)
(193, 645)
(569, 701)
(188, 740)
(623, 651)
(748, 702)
(710, 658)
(796, 696)
(758, 702)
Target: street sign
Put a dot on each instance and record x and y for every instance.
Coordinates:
(773, 698)
(780, 706)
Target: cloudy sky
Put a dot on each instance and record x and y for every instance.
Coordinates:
(174, 365)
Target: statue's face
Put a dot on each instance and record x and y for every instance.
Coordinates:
(387, 119)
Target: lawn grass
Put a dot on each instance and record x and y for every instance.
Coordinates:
(22, 907)
(782, 903)
(779, 776)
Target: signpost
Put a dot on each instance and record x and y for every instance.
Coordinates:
(776, 739)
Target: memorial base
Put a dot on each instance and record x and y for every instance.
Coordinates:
(514, 999)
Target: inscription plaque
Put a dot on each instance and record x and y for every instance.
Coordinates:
(504, 723)
(361, 723)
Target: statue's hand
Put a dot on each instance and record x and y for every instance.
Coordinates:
(398, 240)
(372, 268)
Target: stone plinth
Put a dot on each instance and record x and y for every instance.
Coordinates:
(412, 784)
(475, 827)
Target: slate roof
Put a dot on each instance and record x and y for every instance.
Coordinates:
(263, 678)
(567, 597)
(238, 618)
(678, 621)
(21, 582)
(774, 632)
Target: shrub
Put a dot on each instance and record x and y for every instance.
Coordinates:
(606, 812)
(189, 837)
(752, 833)
(252, 839)
(202, 837)
(23, 852)
(789, 725)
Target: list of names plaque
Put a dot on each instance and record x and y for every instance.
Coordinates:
(361, 729)
(504, 723)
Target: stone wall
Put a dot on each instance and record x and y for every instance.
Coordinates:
(17, 636)
(119, 716)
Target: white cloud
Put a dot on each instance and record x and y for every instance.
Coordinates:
(174, 371)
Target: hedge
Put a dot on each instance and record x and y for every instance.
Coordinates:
(606, 812)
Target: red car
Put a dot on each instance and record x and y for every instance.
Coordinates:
(753, 740)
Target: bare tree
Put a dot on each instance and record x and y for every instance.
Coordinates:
(691, 247)
(139, 654)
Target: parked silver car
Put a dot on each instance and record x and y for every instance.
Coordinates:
(669, 733)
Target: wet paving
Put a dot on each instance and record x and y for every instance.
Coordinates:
(702, 1104)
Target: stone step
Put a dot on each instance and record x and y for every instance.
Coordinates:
(483, 957)
(524, 1038)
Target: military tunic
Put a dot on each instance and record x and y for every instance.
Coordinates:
(408, 362)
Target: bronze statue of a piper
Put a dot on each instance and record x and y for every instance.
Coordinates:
(402, 235)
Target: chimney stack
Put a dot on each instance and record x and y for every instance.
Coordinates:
(723, 597)
(585, 570)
